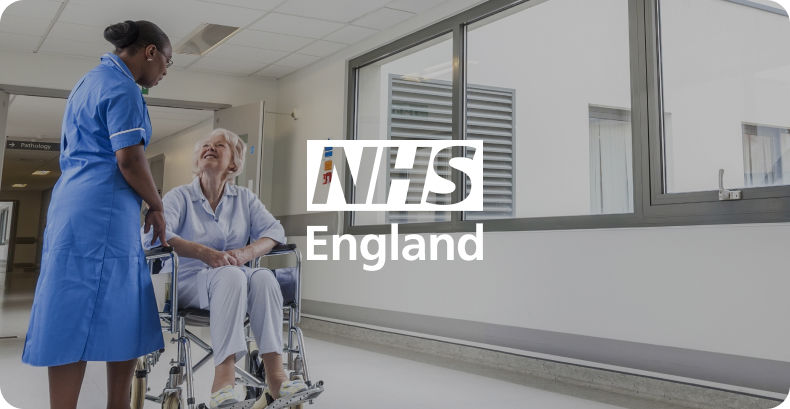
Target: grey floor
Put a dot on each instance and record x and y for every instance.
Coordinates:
(356, 375)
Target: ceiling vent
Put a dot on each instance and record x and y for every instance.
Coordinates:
(204, 38)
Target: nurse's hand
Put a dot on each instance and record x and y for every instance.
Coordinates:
(216, 259)
(156, 219)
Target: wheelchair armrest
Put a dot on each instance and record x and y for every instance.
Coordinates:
(275, 251)
(282, 249)
(157, 252)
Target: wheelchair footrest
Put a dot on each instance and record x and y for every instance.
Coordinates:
(311, 393)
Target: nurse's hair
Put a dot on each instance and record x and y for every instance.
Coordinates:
(238, 148)
(135, 35)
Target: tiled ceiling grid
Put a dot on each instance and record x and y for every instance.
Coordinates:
(276, 37)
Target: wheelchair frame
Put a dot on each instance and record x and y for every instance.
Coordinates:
(181, 369)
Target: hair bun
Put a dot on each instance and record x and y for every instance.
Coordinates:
(122, 35)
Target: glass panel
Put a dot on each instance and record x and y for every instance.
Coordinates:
(554, 112)
(407, 96)
(726, 77)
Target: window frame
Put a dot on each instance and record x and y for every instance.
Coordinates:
(652, 206)
(759, 204)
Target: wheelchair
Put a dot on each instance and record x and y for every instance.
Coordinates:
(178, 387)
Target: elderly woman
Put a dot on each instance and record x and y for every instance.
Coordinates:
(210, 223)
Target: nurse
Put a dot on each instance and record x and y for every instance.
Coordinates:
(94, 298)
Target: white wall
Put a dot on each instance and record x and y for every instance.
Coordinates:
(49, 71)
(178, 150)
(711, 288)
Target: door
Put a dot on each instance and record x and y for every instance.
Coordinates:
(4, 98)
(247, 122)
(157, 165)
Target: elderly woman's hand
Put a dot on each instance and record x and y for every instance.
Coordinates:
(216, 258)
(242, 255)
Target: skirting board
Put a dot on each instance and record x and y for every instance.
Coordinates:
(761, 377)
(645, 387)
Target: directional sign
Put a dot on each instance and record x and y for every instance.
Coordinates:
(33, 146)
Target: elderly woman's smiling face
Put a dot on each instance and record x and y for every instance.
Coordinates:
(215, 156)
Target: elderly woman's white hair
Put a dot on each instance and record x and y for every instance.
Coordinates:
(238, 148)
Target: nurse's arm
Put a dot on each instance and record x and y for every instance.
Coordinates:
(134, 168)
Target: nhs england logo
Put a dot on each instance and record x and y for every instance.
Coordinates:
(370, 166)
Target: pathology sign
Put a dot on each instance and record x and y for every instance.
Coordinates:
(33, 146)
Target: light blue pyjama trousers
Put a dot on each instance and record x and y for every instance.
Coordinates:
(234, 292)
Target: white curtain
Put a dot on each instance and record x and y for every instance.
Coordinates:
(611, 167)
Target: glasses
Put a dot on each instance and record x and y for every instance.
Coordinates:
(168, 61)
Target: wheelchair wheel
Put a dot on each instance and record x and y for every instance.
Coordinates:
(139, 385)
(172, 401)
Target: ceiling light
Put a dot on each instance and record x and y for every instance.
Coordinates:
(19, 185)
(204, 38)
(42, 172)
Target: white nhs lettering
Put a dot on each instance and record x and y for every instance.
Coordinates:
(369, 164)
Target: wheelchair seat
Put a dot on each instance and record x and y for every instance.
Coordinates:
(195, 316)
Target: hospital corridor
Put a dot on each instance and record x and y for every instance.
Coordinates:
(387, 204)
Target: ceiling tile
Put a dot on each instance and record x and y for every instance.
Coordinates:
(298, 60)
(78, 32)
(54, 45)
(337, 10)
(250, 4)
(248, 54)
(181, 61)
(322, 48)
(33, 8)
(275, 71)
(383, 18)
(350, 34)
(224, 66)
(33, 26)
(170, 15)
(270, 41)
(293, 25)
(414, 6)
(18, 42)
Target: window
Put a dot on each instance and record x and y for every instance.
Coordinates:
(562, 63)
(724, 64)
(765, 150)
(602, 113)
(421, 109)
(405, 97)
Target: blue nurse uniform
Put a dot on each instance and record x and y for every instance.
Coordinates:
(94, 299)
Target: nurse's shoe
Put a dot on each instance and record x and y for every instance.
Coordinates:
(287, 390)
(223, 398)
